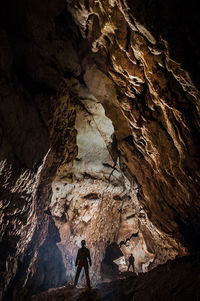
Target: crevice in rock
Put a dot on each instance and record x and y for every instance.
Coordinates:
(99, 138)
(123, 242)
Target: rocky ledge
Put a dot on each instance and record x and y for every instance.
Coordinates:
(176, 280)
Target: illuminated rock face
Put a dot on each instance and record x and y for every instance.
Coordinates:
(90, 193)
(130, 69)
(130, 177)
(94, 200)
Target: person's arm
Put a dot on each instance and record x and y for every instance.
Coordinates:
(77, 258)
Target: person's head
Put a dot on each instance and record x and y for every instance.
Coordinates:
(83, 243)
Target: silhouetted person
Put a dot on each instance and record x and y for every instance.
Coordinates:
(82, 259)
(131, 262)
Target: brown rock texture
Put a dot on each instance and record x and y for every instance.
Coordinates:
(131, 70)
(37, 128)
(94, 200)
(99, 139)
(176, 280)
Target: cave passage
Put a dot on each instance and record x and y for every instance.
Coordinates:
(93, 199)
(99, 140)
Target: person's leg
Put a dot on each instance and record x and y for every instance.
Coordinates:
(129, 266)
(79, 268)
(133, 267)
(87, 275)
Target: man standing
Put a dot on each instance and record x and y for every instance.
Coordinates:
(82, 259)
(131, 262)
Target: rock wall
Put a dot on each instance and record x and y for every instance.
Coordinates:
(136, 64)
(94, 200)
(175, 280)
(131, 68)
(37, 127)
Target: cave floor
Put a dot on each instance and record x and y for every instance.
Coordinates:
(176, 280)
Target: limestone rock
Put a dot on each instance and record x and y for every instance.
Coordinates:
(99, 137)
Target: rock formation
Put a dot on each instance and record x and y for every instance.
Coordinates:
(175, 280)
(99, 137)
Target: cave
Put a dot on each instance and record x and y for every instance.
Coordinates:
(99, 141)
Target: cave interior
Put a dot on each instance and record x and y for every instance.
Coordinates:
(99, 140)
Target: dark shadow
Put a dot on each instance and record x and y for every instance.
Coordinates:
(108, 267)
(123, 242)
(50, 270)
(190, 229)
(178, 22)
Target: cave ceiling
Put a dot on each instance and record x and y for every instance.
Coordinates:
(99, 134)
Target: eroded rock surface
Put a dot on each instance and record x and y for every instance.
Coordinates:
(176, 280)
(99, 136)
(94, 200)
(37, 128)
(131, 72)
